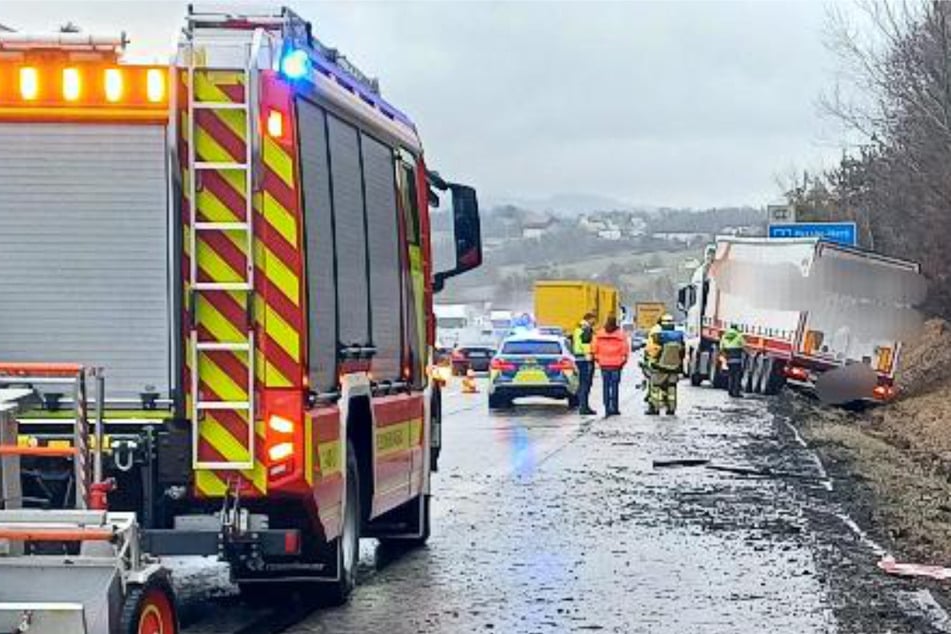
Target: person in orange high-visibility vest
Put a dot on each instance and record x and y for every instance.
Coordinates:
(611, 350)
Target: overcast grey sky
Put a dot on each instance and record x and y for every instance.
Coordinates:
(657, 103)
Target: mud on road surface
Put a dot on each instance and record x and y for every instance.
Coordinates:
(548, 522)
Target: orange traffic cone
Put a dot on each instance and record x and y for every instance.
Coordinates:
(469, 383)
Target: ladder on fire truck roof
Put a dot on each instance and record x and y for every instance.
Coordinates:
(201, 287)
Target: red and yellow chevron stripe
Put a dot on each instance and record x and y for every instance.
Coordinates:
(222, 256)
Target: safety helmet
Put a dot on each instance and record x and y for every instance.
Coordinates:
(667, 320)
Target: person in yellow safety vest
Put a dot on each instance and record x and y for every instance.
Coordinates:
(732, 344)
(666, 366)
(651, 349)
(581, 347)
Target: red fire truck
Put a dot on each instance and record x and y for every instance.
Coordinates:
(240, 245)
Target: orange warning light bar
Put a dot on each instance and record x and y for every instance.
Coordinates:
(43, 90)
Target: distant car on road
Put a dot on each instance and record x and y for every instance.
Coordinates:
(471, 357)
(638, 340)
(533, 364)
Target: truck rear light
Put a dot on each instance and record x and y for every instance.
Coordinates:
(281, 451)
(113, 84)
(72, 85)
(275, 124)
(281, 424)
(155, 85)
(29, 83)
(562, 365)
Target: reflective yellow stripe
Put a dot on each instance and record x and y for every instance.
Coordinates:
(281, 276)
(219, 381)
(309, 448)
(283, 334)
(415, 432)
(328, 457)
(209, 149)
(206, 84)
(215, 266)
(280, 219)
(219, 327)
(392, 439)
(274, 378)
(279, 161)
(215, 434)
(209, 484)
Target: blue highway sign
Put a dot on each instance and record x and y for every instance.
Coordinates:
(841, 232)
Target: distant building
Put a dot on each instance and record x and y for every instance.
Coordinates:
(685, 237)
(610, 234)
(636, 227)
(534, 226)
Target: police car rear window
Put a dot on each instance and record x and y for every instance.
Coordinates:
(531, 347)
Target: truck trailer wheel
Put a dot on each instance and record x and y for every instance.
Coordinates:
(348, 544)
(693, 369)
(149, 609)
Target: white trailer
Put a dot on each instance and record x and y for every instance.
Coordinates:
(804, 306)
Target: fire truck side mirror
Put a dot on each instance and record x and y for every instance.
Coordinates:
(467, 231)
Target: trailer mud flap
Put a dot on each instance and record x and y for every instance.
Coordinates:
(34, 598)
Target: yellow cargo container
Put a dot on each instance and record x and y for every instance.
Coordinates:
(563, 303)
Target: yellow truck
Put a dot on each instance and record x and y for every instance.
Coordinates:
(562, 303)
(647, 314)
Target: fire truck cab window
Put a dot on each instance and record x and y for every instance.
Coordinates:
(379, 177)
(350, 232)
(319, 246)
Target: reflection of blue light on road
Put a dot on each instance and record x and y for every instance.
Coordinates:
(523, 452)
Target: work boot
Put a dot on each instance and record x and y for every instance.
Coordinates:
(671, 412)
(587, 411)
(652, 411)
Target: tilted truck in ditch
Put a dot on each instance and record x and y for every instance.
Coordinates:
(235, 248)
(804, 306)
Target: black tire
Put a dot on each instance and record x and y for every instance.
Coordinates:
(154, 600)
(694, 371)
(714, 368)
(348, 543)
(775, 381)
(746, 379)
(718, 378)
(496, 401)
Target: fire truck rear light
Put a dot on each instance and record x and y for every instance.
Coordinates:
(281, 451)
(113, 79)
(275, 124)
(155, 85)
(281, 424)
(29, 83)
(71, 84)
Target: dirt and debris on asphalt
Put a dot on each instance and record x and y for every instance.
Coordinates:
(544, 521)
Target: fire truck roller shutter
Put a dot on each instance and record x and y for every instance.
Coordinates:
(349, 232)
(379, 174)
(318, 228)
(84, 265)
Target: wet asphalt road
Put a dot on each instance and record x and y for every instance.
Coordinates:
(544, 521)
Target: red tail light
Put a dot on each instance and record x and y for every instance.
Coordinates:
(883, 392)
(800, 374)
(285, 437)
(562, 365)
(502, 365)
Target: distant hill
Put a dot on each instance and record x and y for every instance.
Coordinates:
(569, 204)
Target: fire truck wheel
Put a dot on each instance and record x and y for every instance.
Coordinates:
(149, 609)
(348, 544)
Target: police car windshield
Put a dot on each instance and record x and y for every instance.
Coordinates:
(531, 347)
